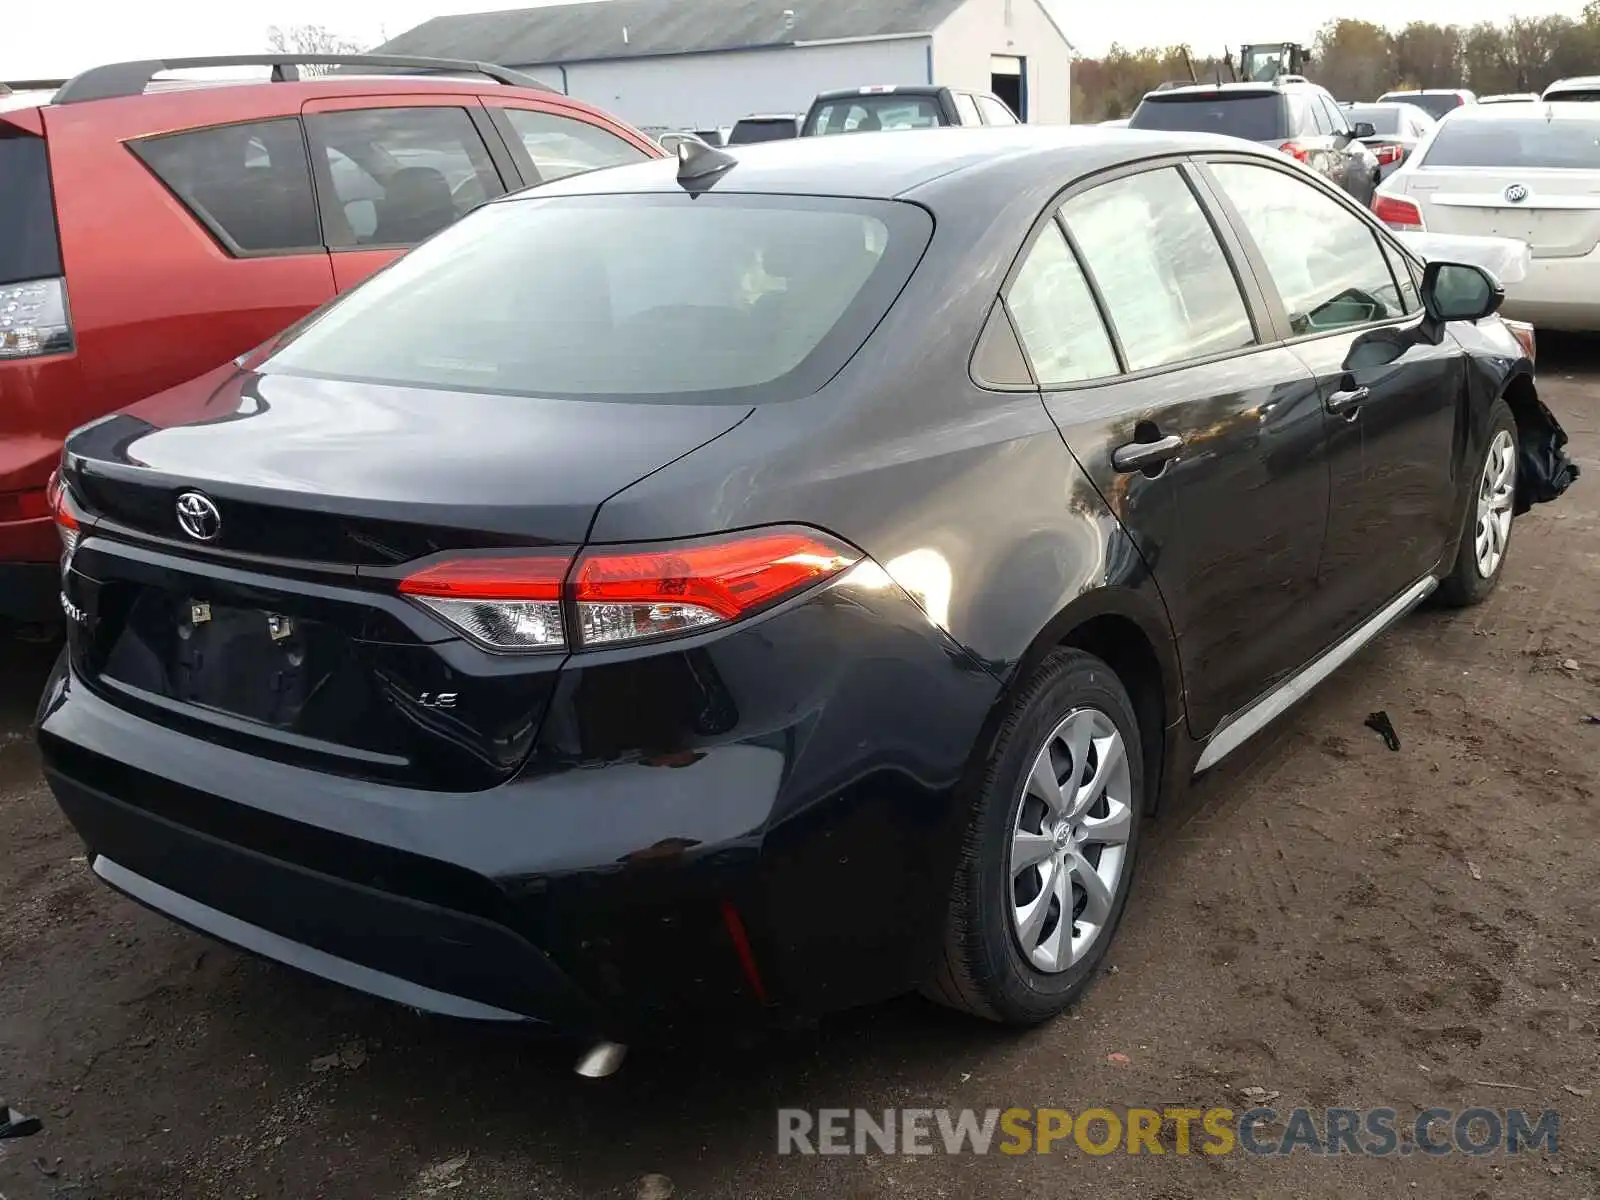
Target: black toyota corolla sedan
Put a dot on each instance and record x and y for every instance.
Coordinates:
(745, 587)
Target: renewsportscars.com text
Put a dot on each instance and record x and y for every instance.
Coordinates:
(1181, 1131)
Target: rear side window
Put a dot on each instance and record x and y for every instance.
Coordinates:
(1535, 141)
(560, 146)
(250, 184)
(994, 112)
(400, 175)
(721, 297)
(866, 114)
(1056, 317)
(1255, 116)
(29, 248)
(1168, 287)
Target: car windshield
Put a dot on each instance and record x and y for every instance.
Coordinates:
(1535, 141)
(1257, 116)
(863, 114)
(1435, 105)
(733, 298)
(1384, 118)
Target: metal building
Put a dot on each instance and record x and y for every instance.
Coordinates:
(685, 64)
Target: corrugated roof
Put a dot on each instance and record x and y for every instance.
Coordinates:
(588, 31)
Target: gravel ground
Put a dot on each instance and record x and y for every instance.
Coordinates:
(1322, 918)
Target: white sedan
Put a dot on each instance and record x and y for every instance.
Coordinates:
(1525, 171)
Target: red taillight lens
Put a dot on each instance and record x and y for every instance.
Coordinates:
(1396, 213)
(1388, 154)
(66, 518)
(509, 603)
(1295, 151)
(626, 595)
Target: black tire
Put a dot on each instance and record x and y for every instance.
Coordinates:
(983, 970)
(1466, 584)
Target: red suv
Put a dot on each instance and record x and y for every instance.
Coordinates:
(151, 229)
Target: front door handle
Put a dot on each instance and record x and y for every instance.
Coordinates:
(1347, 400)
(1140, 456)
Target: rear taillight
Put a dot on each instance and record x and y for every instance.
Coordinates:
(34, 319)
(68, 526)
(1295, 151)
(510, 603)
(1388, 154)
(620, 595)
(627, 595)
(1397, 213)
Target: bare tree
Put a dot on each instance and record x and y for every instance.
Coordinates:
(308, 39)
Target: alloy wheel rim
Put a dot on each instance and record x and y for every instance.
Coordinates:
(1496, 490)
(1069, 840)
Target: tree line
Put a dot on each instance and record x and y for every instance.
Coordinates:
(1357, 60)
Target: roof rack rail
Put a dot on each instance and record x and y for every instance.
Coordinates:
(115, 80)
(7, 86)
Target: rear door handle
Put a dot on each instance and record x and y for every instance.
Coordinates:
(1347, 400)
(1137, 456)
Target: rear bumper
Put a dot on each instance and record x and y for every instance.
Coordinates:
(794, 862)
(30, 591)
(1560, 294)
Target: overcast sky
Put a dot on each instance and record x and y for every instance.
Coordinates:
(53, 38)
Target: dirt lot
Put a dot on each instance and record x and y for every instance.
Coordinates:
(1323, 918)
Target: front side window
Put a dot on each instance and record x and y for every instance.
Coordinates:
(1336, 119)
(560, 146)
(1056, 317)
(968, 109)
(1327, 263)
(722, 298)
(400, 175)
(250, 185)
(1167, 284)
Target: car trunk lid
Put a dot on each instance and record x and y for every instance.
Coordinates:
(276, 623)
(1556, 212)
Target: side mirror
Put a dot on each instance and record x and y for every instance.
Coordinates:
(1364, 129)
(1459, 292)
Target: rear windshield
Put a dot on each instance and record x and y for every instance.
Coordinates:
(1435, 106)
(1575, 95)
(863, 114)
(745, 132)
(1519, 142)
(731, 298)
(28, 245)
(1256, 116)
(1381, 117)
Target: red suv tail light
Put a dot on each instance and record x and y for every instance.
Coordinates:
(1388, 154)
(1295, 151)
(629, 594)
(34, 319)
(1397, 213)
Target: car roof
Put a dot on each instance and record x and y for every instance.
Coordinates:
(887, 166)
(768, 117)
(1232, 89)
(888, 89)
(1556, 110)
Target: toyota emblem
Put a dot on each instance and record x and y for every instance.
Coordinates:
(198, 517)
(1516, 193)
